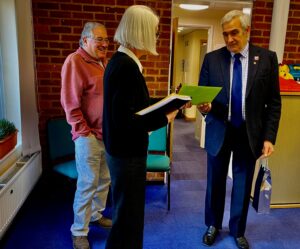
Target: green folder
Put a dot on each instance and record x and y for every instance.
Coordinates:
(200, 94)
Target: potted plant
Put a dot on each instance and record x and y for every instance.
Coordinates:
(8, 137)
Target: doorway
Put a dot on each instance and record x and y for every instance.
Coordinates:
(190, 49)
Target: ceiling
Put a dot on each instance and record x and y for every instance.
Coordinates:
(214, 5)
(217, 4)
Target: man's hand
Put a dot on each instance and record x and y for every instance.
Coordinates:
(204, 108)
(268, 149)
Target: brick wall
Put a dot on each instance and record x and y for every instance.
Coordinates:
(261, 22)
(57, 28)
(261, 28)
(292, 40)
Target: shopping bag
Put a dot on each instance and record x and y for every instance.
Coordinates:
(263, 189)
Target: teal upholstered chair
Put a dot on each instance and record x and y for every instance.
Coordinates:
(61, 147)
(157, 159)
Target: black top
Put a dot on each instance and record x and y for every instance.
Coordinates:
(125, 134)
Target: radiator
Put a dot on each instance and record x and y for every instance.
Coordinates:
(15, 186)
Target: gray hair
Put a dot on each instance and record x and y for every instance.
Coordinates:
(244, 18)
(137, 29)
(88, 30)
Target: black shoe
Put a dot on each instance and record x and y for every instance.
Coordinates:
(210, 236)
(241, 242)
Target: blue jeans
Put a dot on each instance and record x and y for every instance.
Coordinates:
(128, 179)
(92, 183)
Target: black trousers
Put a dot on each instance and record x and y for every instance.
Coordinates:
(243, 165)
(128, 179)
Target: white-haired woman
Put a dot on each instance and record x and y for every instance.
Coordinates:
(125, 134)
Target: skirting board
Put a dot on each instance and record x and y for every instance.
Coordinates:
(294, 205)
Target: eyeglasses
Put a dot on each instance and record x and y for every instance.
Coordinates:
(100, 39)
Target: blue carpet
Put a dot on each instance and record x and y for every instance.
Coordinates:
(45, 219)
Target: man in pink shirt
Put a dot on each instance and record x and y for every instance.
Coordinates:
(82, 100)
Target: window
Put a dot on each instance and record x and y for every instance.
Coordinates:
(17, 72)
(2, 95)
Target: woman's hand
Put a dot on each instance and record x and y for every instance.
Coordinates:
(171, 116)
(187, 105)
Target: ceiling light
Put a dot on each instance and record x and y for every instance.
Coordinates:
(179, 29)
(193, 6)
(247, 11)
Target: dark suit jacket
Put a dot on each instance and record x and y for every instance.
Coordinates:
(262, 104)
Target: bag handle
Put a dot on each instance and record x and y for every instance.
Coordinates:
(264, 163)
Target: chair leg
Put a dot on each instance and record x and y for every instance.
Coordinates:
(169, 190)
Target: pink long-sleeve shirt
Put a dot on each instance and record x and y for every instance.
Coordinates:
(82, 93)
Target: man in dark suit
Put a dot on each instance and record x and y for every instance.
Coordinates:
(243, 120)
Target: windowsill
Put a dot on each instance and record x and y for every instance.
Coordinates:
(10, 158)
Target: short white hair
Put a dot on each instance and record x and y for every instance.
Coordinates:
(88, 31)
(244, 18)
(137, 29)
